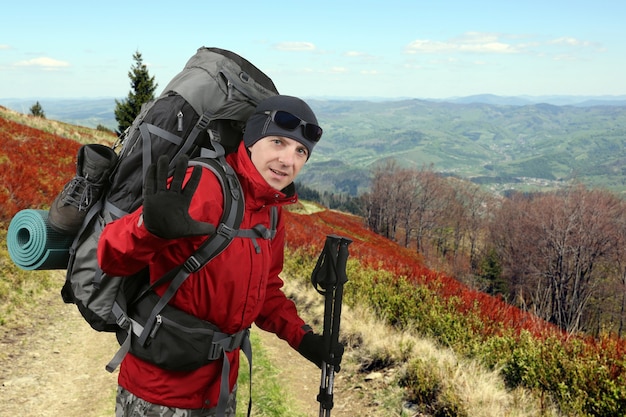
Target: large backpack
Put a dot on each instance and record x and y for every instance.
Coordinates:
(201, 113)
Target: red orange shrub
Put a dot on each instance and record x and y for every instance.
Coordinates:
(34, 166)
(376, 252)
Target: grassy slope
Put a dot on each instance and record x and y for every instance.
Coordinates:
(65, 130)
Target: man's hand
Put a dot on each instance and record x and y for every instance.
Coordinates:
(166, 210)
(312, 347)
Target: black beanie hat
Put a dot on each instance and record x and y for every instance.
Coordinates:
(260, 125)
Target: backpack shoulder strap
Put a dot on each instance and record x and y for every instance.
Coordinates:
(260, 231)
(217, 242)
(226, 231)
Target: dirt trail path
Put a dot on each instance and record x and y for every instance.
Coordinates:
(303, 380)
(52, 364)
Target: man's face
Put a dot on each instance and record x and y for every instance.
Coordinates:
(278, 159)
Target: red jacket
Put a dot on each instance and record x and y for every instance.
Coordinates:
(237, 288)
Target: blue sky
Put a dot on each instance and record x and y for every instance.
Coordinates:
(411, 48)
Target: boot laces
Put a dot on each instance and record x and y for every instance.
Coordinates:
(79, 193)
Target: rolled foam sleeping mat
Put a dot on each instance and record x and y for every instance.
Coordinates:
(33, 244)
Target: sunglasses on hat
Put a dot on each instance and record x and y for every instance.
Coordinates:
(288, 121)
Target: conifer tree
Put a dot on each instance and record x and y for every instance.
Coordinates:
(37, 111)
(143, 88)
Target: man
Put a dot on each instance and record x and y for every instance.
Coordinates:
(240, 286)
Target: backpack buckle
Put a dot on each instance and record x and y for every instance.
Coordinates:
(203, 121)
(123, 321)
(215, 352)
(192, 264)
(236, 340)
(226, 231)
(226, 343)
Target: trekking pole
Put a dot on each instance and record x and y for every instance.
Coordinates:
(328, 278)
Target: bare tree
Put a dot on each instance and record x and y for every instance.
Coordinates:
(467, 217)
(554, 247)
(427, 206)
(620, 262)
(410, 189)
(382, 216)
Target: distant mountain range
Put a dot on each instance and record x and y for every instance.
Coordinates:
(90, 112)
(500, 142)
(579, 101)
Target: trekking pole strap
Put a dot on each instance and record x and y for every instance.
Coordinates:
(328, 278)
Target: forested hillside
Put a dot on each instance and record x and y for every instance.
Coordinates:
(536, 147)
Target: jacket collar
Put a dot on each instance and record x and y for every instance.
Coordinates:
(257, 191)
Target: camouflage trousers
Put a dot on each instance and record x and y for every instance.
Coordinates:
(129, 405)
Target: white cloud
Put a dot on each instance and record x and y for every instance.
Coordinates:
(422, 45)
(473, 42)
(4, 46)
(576, 43)
(361, 56)
(565, 57)
(502, 44)
(489, 47)
(339, 70)
(571, 49)
(42, 62)
(569, 42)
(295, 46)
(412, 66)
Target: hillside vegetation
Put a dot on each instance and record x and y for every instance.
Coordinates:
(486, 358)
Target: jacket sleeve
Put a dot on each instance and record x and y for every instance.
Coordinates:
(279, 314)
(126, 246)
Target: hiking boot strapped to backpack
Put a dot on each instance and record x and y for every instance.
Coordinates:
(94, 164)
